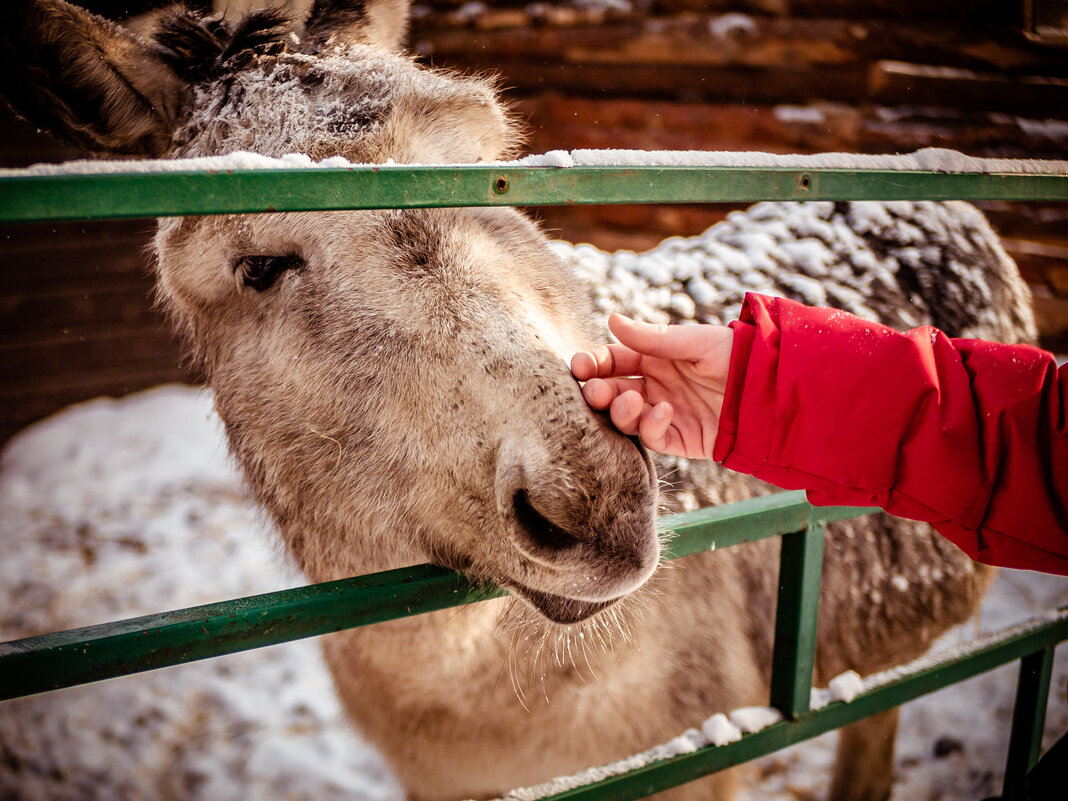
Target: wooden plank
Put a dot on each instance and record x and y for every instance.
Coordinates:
(20, 239)
(52, 307)
(29, 358)
(688, 84)
(712, 40)
(975, 11)
(561, 121)
(900, 83)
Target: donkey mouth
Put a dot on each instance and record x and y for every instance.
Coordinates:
(553, 553)
(559, 609)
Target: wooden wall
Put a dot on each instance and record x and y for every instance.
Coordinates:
(784, 76)
(76, 317)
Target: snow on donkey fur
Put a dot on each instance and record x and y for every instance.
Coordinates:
(394, 387)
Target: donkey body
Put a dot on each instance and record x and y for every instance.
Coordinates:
(395, 386)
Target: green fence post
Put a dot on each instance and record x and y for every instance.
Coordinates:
(800, 566)
(1028, 715)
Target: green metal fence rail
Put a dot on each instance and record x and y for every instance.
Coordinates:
(79, 656)
(117, 195)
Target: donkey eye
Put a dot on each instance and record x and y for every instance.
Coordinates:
(260, 272)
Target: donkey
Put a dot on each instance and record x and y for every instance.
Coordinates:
(395, 386)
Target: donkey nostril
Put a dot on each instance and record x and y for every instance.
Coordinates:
(539, 530)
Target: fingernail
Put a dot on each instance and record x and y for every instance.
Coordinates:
(659, 412)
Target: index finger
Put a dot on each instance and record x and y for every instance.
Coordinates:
(683, 342)
(605, 361)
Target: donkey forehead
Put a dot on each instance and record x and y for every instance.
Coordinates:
(360, 103)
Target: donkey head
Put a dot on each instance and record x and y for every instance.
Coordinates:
(394, 383)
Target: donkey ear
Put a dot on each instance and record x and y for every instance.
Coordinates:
(462, 123)
(85, 79)
(383, 23)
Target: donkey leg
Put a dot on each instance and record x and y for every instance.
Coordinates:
(864, 762)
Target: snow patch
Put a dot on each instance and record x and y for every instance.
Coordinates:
(240, 160)
(1056, 130)
(843, 687)
(552, 158)
(805, 115)
(926, 160)
(731, 24)
(718, 730)
(752, 719)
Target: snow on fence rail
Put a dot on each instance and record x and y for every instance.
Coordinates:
(248, 183)
(717, 746)
(242, 183)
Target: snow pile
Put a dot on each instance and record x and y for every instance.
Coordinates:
(718, 730)
(843, 687)
(824, 254)
(931, 159)
(751, 719)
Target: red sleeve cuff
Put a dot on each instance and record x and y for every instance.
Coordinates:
(744, 332)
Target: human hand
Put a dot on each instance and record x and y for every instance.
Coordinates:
(664, 384)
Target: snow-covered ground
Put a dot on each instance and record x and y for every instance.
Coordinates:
(114, 509)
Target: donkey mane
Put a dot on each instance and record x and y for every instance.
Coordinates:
(206, 48)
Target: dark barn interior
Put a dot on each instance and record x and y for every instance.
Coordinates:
(986, 77)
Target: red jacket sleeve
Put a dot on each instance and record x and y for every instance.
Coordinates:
(967, 435)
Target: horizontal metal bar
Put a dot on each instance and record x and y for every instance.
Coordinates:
(161, 194)
(78, 656)
(900, 685)
(748, 521)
